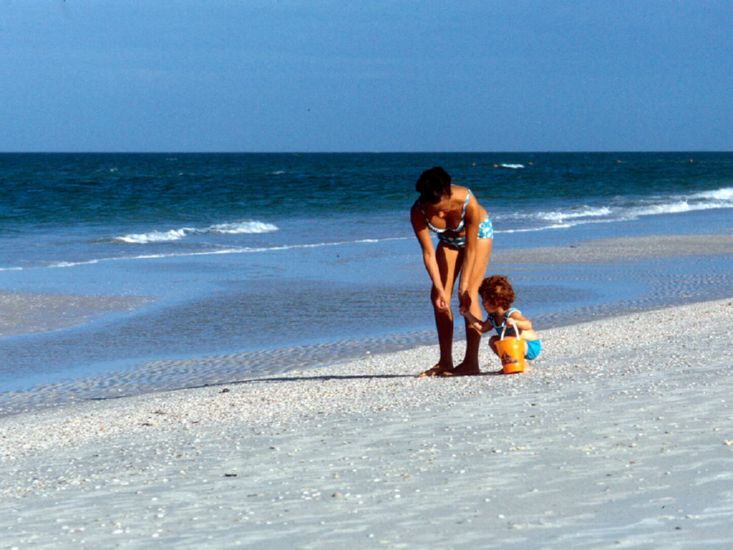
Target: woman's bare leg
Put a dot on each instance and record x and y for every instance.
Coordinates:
(448, 259)
(473, 337)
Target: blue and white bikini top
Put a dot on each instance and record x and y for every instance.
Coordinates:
(500, 327)
(460, 225)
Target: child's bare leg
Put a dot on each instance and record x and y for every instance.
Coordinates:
(492, 344)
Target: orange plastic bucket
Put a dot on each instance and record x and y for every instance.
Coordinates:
(511, 353)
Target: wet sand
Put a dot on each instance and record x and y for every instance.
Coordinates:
(27, 313)
(582, 281)
(620, 434)
(620, 249)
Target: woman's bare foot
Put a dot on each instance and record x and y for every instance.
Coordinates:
(435, 370)
(463, 369)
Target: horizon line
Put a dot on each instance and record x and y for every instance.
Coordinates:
(452, 152)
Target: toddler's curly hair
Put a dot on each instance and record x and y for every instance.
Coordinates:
(497, 290)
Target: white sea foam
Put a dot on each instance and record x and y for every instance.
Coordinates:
(220, 251)
(74, 264)
(673, 204)
(242, 227)
(512, 166)
(705, 200)
(674, 208)
(535, 229)
(251, 226)
(722, 194)
(559, 219)
(155, 236)
(574, 214)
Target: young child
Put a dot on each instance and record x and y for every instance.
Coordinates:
(498, 296)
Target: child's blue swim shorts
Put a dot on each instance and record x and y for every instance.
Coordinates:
(533, 349)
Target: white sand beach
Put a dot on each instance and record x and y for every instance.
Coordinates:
(621, 434)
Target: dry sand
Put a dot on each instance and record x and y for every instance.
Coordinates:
(620, 435)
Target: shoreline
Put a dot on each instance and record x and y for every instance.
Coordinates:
(145, 368)
(368, 366)
(148, 378)
(622, 437)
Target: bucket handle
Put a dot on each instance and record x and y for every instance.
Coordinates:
(516, 331)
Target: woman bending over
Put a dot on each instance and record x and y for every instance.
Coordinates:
(465, 237)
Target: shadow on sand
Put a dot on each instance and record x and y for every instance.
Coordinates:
(285, 379)
(326, 377)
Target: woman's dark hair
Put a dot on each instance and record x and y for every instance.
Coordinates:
(433, 184)
(497, 290)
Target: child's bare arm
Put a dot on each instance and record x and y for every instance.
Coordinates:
(477, 324)
(522, 322)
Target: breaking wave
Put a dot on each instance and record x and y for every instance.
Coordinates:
(620, 210)
(177, 234)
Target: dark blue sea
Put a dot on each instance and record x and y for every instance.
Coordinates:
(278, 261)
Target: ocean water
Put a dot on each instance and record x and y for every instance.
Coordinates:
(298, 260)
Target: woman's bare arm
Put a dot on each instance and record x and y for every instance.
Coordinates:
(428, 253)
(472, 221)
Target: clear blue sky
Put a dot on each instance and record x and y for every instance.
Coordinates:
(344, 75)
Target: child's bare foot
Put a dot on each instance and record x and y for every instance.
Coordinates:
(463, 369)
(435, 370)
